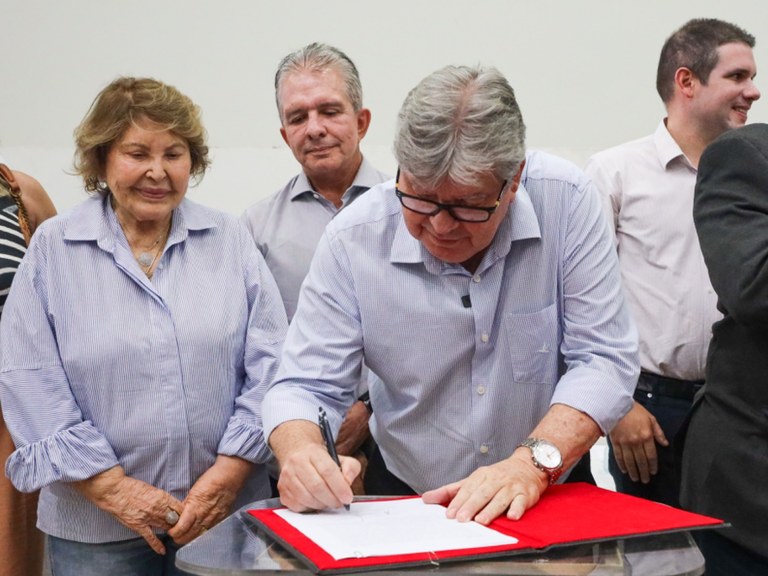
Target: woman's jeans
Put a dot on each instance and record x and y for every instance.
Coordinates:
(124, 558)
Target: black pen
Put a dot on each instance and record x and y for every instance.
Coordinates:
(322, 421)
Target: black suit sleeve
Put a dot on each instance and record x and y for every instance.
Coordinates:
(731, 215)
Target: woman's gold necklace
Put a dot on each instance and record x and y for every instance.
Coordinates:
(148, 258)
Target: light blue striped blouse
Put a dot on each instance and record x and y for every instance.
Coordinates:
(101, 366)
(461, 387)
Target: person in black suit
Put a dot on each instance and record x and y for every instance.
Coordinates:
(725, 458)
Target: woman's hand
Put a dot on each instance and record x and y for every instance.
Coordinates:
(134, 503)
(210, 499)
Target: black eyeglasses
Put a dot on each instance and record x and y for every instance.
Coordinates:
(458, 212)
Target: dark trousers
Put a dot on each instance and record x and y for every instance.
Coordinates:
(724, 557)
(380, 481)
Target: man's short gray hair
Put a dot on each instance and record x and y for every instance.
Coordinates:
(457, 123)
(316, 57)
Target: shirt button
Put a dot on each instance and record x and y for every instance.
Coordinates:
(649, 394)
(317, 196)
(484, 449)
(481, 390)
(476, 278)
(484, 337)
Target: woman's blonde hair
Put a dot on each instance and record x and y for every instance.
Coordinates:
(121, 104)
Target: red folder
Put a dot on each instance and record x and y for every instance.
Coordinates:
(567, 514)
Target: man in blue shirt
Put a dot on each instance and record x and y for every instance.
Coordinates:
(483, 289)
(322, 120)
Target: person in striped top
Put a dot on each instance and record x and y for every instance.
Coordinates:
(482, 288)
(24, 204)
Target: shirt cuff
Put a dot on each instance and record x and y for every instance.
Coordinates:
(603, 399)
(74, 454)
(244, 440)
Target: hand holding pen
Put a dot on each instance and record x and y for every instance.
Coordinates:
(325, 428)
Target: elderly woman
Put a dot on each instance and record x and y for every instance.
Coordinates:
(139, 337)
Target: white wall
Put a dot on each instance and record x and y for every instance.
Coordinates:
(583, 70)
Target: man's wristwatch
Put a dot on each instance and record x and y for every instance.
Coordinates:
(545, 456)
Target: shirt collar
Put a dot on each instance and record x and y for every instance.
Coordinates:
(667, 149)
(366, 177)
(95, 220)
(520, 223)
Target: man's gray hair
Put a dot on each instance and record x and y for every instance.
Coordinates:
(316, 57)
(457, 123)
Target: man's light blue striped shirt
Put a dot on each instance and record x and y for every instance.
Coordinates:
(459, 386)
(288, 225)
(101, 366)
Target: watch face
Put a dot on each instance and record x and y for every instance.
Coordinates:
(547, 455)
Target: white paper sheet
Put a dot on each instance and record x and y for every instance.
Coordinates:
(389, 527)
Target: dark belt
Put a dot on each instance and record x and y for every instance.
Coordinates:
(670, 387)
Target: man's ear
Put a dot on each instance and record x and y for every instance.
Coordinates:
(685, 81)
(363, 122)
(283, 134)
(516, 179)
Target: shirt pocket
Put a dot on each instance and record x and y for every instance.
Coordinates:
(532, 342)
